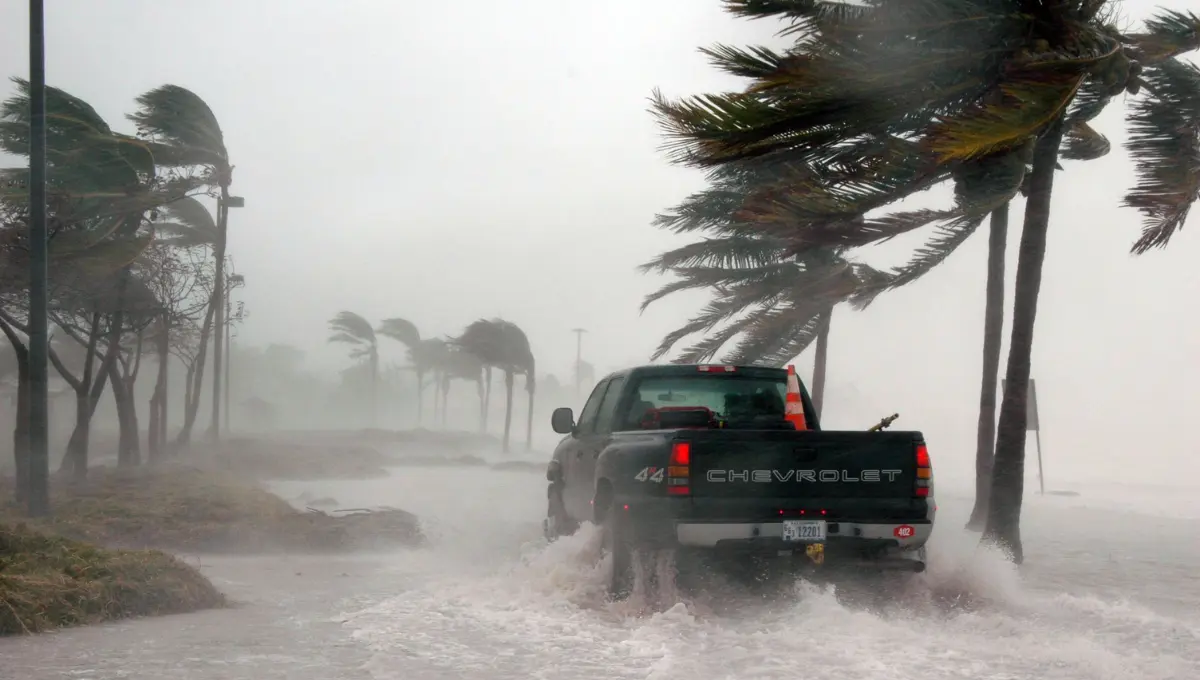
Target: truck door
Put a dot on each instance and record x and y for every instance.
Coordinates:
(594, 443)
(575, 497)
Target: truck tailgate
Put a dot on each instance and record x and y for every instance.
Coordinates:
(788, 464)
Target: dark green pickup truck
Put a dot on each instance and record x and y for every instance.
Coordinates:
(702, 457)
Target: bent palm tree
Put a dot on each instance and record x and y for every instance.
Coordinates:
(1019, 71)
(503, 345)
(777, 305)
(183, 132)
(354, 330)
(406, 333)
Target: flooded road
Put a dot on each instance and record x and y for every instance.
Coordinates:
(1106, 593)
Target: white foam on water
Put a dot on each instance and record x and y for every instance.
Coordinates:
(540, 611)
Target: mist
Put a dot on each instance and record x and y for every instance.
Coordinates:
(445, 163)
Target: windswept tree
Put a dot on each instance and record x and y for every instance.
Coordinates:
(182, 132)
(503, 345)
(357, 332)
(187, 225)
(406, 333)
(1020, 75)
(770, 305)
(102, 190)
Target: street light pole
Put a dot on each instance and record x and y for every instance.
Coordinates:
(578, 358)
(39, 332)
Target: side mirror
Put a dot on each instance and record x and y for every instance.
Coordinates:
(563, 421)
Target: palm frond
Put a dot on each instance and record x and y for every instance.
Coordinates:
(733, 252)
(1019, 107)
(352, 328)
(1167, 34)
(400, 330)
(1164, 142)
(183, 124)
(1082, 143)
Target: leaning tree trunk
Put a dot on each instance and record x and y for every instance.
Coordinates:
(192, 402)
(821, 360)
(373, 365)
(482, 401)
(21, 443)
(445, 399)
(531, 387)
(1003, 526)
(993, 330)
(487, 398)
(129, 451)
(508, 395)
(87, 398)
(437, 398)
(420, 397)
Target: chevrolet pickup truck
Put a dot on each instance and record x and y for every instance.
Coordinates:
(706, 458)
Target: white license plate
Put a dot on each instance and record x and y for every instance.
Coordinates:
(804, 530)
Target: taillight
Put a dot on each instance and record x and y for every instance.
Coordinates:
(716, 369)
(677, 471)
(924, 483)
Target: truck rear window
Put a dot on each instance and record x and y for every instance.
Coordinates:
(731, 399)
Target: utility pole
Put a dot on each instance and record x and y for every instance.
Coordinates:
(224, 203)
(39, 331)
(235, 281)
(578, 358)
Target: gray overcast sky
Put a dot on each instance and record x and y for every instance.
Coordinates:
(456, 160)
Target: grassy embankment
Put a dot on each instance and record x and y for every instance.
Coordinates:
(100, 556)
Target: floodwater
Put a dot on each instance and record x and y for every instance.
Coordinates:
(1107, 592)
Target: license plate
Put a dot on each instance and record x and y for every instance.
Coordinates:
(804, 530)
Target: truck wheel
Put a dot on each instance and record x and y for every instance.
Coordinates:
(557, 523)
(617, 546)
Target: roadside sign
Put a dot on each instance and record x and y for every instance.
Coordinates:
(1032, 422)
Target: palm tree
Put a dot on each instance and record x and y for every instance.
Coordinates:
(503, 345)
(455, 363)
(183, 132)
(357, 332)
(1019, 72)
(406, 333)
(784, 303)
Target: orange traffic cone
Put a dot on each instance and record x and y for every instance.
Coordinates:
(794, 408)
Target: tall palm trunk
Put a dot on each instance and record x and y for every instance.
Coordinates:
(445, 399)
(220, 290)
(420, 397)
(437, 398)
(1003, 526)
(531, 387)
(993, 329)
(508, 398)
(487, 398)
(482, 401)
(374, 367)
(821, 360)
